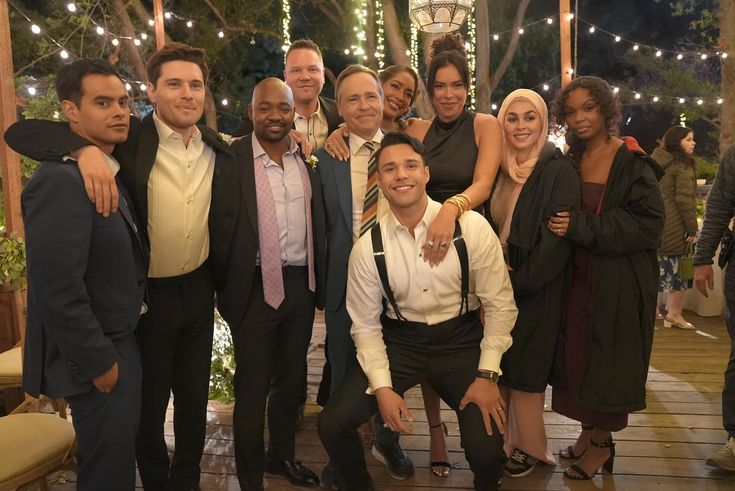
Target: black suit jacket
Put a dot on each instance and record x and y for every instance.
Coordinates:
(136, 157)
(86, 283)
(233, 299)
(328, 106)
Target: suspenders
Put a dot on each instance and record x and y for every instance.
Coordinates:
(379, 256)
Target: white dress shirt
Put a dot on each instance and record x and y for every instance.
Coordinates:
(179, 196)
(290, 202)
(314, 126)
(359, 158)
(425, 294)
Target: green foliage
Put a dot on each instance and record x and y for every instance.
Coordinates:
(706, 168)
(221, 385)
(12, 261)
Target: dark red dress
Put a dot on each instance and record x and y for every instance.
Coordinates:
(577, 334)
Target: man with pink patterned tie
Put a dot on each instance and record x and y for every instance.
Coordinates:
(272, 287)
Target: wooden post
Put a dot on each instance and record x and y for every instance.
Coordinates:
(565, 42)
(158, 23)
(10, 159)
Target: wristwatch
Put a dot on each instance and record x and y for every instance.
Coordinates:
(489, 375)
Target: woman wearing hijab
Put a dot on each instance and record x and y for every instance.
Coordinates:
(535, 182)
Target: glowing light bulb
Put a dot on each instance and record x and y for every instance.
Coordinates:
(100, 30)
(546, 87)
(719, 101)
(592, 30)
(616, 89)
(723, 55)
(617, 39)
(32, 90)
(549, 21)
(655, 98)
(570, 16)
(637, 95)
(680, 56)
(681, 100)
(167, 15)
(636, 47)
(495, 37)
(189, 24)
(700, 102)
(151, 22)
(658, 54)
(221, 34)
(136, 42)
(703, 56)
(35, 29)
(71, 7)
(225, 102)
(64, 54)
(521, 30)
(128, 87)
(494, 107)
(143, 87)
(143, 36)
(115, 42)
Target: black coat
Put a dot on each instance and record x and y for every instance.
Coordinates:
(538, 258)
(136, 157)
(232, 299)
(623, 239)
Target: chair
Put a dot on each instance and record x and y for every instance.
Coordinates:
(34, 445)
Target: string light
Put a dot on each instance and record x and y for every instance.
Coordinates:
(546, 87)
(189, 24)
(136, 42)
(472, 54)
(35, 29)
(151, 22)
(414, 47)
(496, 37)
(143, 87)
(380, 41)
(592, 30)
(32, 90)
(360, 30)
(286, 22)
(128, 87)
(617, 39)
(636, 47)
(549, 20)
(719, 101)
(115, 42)
(521, 30)
(167, 15)
(143, 36)
(655, 98)
(71, 7)
(221, 34)
(100, 30)
(225, 102)
(658, 54)
(64, 54)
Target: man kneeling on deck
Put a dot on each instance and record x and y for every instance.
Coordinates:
(419, 323)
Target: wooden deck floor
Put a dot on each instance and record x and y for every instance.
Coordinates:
(664, 447)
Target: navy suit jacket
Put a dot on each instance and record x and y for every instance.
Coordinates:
(86, 282)
(337, 191)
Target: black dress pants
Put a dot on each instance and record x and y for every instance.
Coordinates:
(728, 391)
(106, 425)
(176, 348)
(270, 350)
(445, 355)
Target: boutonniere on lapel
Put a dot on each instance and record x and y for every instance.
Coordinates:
(312, 161)
(225, 138)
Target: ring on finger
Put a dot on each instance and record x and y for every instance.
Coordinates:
(443, 244)
(429, 243)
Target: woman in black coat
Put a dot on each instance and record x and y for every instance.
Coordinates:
(535, 182)
(608, 321)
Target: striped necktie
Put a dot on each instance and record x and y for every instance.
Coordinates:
(370, 205)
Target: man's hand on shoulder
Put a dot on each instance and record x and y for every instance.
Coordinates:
(392, 407)
(107, 381)
(99, 180)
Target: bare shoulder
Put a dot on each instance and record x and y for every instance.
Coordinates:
(418, 128)
(486, 121)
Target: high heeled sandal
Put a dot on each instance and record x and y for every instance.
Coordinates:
(568, 453)
(440, 463)
(581, 475)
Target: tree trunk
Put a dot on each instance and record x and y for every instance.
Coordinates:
(132, 53)
(727, 88)
(487, 83)
(398, 48)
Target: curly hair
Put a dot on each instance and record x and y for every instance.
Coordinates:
(447, 50)
(607, 101)
(671, 142)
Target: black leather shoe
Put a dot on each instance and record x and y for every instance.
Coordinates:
(293, 470)
(396, 461)
(329, 479)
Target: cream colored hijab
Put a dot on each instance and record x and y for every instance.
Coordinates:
(514, 174)
(519, 171)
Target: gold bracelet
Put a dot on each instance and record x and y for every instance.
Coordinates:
(469, 203)
(456, 202)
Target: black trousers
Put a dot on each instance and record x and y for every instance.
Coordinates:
(446, 356)
(270, 349)
(728, 391)
(176, 348)
(106, 425)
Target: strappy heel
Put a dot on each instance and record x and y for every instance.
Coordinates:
(440, 463)
(608, 465)
(568, 453)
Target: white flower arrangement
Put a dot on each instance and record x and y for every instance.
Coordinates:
(312, 161)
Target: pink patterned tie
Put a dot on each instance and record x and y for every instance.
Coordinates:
(269, 245)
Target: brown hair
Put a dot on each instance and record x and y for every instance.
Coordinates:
(393, 70)
(175, 52)
(304, 44)
(447, 50)
(352, 70)
(671, 142)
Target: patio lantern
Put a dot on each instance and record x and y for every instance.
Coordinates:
(437, 16)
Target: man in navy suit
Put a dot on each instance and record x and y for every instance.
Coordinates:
(345, 185)
(86, 286)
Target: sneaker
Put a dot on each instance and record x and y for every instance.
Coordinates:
(329, 479)
(520, 464)
(724, 458)
(396, 461)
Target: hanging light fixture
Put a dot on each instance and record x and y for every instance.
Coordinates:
(437, 16)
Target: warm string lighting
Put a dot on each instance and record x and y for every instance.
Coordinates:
(471, 46)
(380, 41)
(700, 55)
(358, 48)
(414, 47)
(285, 25)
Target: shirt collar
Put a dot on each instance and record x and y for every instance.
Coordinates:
(114, 164)
(165, 132)
(318, 113)
(259, 151)
(357, 142)
(432, 209)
